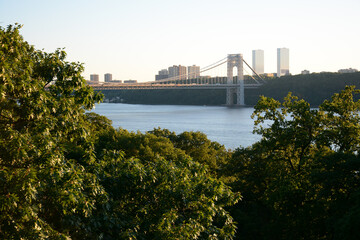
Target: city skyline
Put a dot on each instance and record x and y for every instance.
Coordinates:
(283, 68)
(134, 39)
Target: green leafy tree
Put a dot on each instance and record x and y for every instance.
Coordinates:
(301, 180)
(200, 148)
(43, 193)
(68, 174)
(156, 191)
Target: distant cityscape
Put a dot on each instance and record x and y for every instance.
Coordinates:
(179, 72)
(94, 79)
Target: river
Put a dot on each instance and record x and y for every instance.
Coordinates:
(231, 127)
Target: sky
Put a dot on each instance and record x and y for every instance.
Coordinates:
(134, 39)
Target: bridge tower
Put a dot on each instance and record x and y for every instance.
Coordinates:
(235, 60)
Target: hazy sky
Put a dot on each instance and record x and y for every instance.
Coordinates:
(133, 39)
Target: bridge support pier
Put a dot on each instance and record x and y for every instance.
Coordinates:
(235, 60)
(237, 91)
(229, 96)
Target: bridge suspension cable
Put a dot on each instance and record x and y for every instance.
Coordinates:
(183, 77)
(253, 72)
(213, 67)
(250, 75)
(210, 66)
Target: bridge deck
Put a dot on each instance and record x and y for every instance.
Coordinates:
(171, 86)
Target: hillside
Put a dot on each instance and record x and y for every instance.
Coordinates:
(314, 88)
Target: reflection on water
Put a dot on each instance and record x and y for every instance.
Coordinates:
(229, 126)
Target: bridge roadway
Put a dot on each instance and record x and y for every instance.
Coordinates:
(169, 86)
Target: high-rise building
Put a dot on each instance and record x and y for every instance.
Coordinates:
(258, 61)
(193, 72)
(94, 77)
(163, 74)
(108, 77)
(282, 62)
(177, 72)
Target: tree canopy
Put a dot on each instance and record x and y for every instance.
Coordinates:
(42, 101)
(301, 181)
(65, 173)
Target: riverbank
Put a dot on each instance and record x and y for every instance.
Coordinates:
(314, 88)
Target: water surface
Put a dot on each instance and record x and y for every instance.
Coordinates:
(231, 127)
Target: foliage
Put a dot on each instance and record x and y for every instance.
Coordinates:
(200, 148)
(168, 96)
(43, 193)
(68, 174)
(313, 88)
(163, 193)
(65, 173)
(301, 180)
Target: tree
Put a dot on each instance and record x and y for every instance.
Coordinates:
(200, 148)
(42, 100)
(157, 191)
(68, 174)
(301, 180)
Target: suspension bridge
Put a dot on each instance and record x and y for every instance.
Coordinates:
(234, 85)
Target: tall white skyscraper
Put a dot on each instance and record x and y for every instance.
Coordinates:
(258, 61)
(283, 62)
